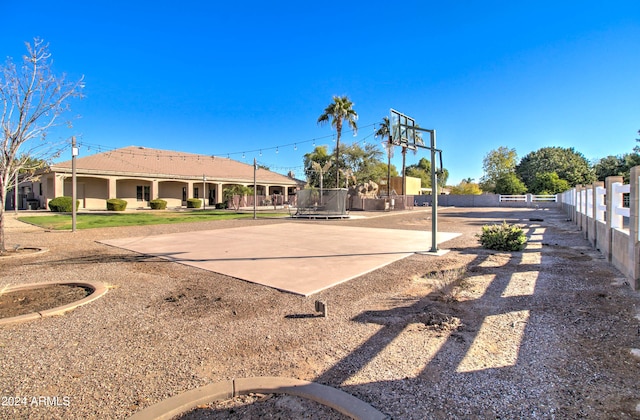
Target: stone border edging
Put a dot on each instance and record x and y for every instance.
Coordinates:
(339, 400)
(98, 289)
(28, 254)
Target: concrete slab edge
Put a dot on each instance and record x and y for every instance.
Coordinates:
(99, 289)
(338, 400)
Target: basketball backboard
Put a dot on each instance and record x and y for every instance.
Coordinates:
(404, 131)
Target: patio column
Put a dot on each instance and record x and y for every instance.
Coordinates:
(154, 189)
(219, 198)
(189, 189)
(112, 188)
(58, 186)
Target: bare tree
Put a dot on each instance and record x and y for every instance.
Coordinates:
(33, 100)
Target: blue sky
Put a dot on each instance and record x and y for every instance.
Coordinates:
(227, 78)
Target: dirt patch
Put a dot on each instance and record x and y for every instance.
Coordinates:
(26, 301)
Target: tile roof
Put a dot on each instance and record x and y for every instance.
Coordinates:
(142, 161)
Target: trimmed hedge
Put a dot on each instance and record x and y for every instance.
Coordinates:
(116, 204)
(194, 203)
(504, 237)
(222, 206)
(63, 204)
(158, 204)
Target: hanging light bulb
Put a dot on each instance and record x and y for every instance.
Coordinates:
(295, 146)
(261, 152)
(314, 142)
(242, 155)
(276, 150)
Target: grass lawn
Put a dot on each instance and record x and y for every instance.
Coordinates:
(100, 220)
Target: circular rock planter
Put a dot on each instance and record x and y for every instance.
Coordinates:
(23, 252)
(56, 299)
(338, 400)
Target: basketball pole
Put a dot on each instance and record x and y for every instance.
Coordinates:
(434, 192)
(403, 123)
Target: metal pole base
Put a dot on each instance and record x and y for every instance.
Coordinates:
(436, 253)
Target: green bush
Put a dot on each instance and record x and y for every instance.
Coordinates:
(63, 204)
(194, 203)
(222, 206)
(158, 204)
(116, 204)
(504, 237)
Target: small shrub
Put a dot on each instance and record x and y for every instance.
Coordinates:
(63, 204)
(446, 283)
(194, 203)
(116, 204)
(222, 206)
(504, 237)
(158, 204)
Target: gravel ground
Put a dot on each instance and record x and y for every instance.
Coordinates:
(542, 333)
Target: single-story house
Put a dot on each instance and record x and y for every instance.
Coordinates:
(140, 174)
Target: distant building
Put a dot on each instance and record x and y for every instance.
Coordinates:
(139, 175)
(412, 185)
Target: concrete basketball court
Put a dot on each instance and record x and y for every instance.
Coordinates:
(292, 256)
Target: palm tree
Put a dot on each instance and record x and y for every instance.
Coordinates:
(385, 132)
(341, 109)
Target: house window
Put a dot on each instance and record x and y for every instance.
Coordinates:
(143, 193)
(195, 192)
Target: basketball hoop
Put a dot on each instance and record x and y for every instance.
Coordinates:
(406, 133)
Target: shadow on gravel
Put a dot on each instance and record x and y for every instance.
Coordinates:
(503, 352)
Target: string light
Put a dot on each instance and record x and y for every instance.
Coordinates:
(150, 153)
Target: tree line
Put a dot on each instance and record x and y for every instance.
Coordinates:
(549, 170)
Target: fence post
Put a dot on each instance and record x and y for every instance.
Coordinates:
(576, 205)
(579, 200)
(588, 212)
(610, 213)
(634, 229)
(592, 195)
(599, 194)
